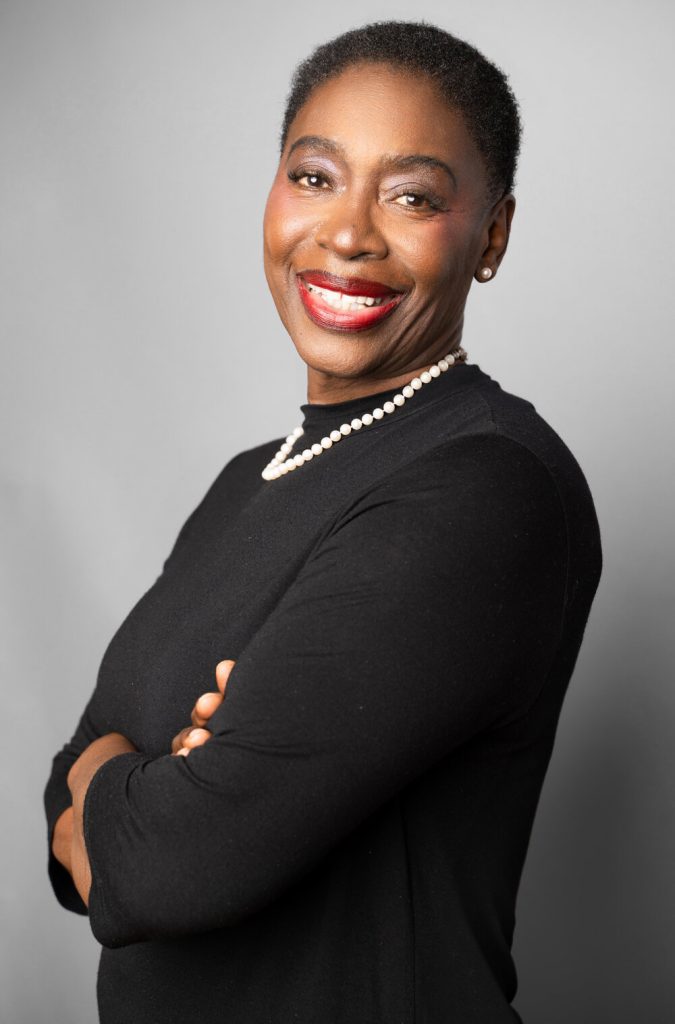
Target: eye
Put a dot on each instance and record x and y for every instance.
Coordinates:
(418, 201)
(308, 179)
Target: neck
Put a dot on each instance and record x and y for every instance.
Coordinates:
(325, 388)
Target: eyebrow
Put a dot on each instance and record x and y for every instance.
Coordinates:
(402, 163)
(318, 141)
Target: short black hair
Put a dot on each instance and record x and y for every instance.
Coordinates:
(469, 82)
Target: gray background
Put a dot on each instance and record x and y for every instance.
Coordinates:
(141, 348)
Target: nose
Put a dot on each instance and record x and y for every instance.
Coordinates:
(350, 230)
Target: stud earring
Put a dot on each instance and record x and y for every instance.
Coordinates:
(486, 273)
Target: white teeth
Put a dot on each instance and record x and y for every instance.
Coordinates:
(343, 302)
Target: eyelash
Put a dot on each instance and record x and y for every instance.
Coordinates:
(435, 202)
(299, 175)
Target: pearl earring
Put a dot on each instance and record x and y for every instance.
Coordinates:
(486, 273)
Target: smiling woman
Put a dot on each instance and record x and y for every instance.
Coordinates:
(402, 190)
(338, 836)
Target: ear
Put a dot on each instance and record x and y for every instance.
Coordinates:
(497, 231)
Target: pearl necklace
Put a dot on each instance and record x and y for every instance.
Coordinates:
(283, 462)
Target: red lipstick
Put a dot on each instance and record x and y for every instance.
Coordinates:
(333, 312)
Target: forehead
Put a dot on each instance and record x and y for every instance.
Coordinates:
(374, 108)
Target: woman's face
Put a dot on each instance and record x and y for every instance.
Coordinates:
(375, 225)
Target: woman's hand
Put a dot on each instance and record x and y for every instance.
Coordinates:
(196, 735)
(79, 777)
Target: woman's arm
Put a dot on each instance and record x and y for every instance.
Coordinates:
(79, 777)
(58, 810)
(68, 843)
(63, 839)
(57, 796)
(432, 612)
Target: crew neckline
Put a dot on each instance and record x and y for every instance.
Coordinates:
(335, 413)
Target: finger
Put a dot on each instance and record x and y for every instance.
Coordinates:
(223, 669)
(196, 738)
(207, 704)
(183, 752)
(179, 740)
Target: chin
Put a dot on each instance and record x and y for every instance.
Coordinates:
(336, 353)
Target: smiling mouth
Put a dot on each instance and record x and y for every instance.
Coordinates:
(342, 301)
(346, 310)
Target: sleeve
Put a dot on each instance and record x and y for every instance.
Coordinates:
(56, 800)
(56, 795)
(432, 611)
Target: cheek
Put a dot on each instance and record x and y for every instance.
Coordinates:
(284, 226)
(439, 258)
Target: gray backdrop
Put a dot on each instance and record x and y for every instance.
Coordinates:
(140, 347)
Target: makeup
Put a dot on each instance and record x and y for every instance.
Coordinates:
(345, 304)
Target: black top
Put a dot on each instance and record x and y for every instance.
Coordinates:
(405, 611)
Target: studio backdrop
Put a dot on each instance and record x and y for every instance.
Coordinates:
(141, 350)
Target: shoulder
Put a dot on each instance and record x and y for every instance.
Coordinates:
(517, 421)
(483, 471)
(482, 496)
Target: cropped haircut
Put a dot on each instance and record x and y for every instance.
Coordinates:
(470, 84)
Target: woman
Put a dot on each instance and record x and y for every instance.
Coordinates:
(394, 598)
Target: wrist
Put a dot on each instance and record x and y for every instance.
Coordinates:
(79, 778)
(88, 763)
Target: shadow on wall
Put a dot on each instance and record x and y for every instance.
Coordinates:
(596, 926)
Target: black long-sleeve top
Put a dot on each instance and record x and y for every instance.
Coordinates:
(405, 612)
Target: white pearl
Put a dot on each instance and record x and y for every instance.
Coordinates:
(280, 465)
